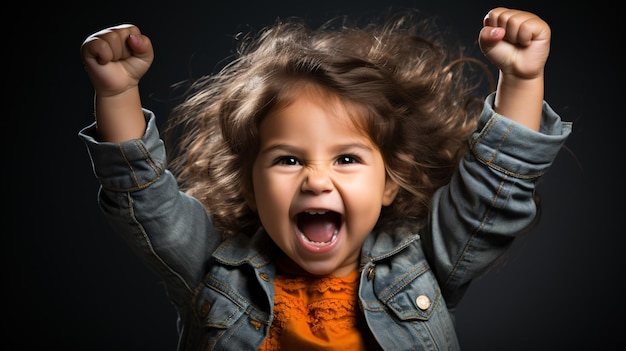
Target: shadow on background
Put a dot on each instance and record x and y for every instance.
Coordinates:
(73, 284)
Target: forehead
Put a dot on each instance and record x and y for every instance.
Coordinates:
(311, 126)
(321, 101)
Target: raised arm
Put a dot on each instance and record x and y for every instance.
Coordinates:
(518, 42)
(115, 59)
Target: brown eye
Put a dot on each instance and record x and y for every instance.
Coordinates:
(347, 159)
(287, 161)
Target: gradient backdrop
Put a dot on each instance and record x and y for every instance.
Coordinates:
(71, 284)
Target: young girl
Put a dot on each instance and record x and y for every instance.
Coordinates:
(334, 189)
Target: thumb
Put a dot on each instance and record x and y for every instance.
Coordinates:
(140, 46)
(490, 37)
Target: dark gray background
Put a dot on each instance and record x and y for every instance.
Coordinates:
(70, 283)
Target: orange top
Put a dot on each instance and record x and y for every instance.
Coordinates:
(316, 313)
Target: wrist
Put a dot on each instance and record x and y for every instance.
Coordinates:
(120, 117)
(520, 99)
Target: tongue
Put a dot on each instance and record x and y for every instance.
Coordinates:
(318, 228)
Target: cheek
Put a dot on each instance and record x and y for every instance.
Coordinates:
(272, 197)
(365, 194)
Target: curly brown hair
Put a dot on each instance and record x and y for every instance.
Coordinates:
(415, 97)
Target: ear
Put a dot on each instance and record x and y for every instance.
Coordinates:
(390, 192)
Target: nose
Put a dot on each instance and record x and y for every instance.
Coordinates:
(317, 181)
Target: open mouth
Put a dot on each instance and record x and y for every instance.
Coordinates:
(319, 227)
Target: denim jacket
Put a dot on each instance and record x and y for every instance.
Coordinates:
(410, 282)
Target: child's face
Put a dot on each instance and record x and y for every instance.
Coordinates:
(319, 184)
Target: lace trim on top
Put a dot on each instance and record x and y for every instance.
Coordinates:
(315, 313)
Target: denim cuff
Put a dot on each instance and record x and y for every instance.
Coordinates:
(127, 166)
(514, 149)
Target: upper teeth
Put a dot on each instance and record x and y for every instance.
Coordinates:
(313, 212)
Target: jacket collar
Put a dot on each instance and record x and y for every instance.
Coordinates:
(259, 250)
(388, 241)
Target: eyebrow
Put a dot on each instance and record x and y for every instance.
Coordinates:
(295, 149)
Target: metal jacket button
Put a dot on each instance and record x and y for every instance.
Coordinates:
(422, 302)
(370, 273)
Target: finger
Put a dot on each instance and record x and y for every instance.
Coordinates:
(491, 18)
(95, 48)
(532, 29)
(118, 38)
(110, 44)
(521, 27)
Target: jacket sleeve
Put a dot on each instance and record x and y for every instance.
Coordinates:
(169, 231)
(489, 200)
